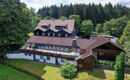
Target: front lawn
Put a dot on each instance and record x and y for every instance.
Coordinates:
(8, 73)
(53, 73)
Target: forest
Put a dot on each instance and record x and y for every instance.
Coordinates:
(95, 12)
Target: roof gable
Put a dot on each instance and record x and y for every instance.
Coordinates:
(68, 23)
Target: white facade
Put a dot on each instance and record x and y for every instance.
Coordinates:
(40, 58)
(61, 61)
(20, 56)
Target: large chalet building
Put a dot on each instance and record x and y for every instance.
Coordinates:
(55, 42)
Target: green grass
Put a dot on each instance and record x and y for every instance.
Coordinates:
(53, 73)
(8, 73)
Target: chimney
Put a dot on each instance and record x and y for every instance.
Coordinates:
(74, 46)
(74, 43)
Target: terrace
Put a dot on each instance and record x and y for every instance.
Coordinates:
(52, 49)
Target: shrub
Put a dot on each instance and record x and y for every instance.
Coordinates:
(120, 67)
(68, 71)
(108, 63)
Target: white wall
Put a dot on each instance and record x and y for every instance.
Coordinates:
(52, 59)
(60, 62)
(19, 56)
(38, 58)
(30, 57)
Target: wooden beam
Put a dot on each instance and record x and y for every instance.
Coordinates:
(107, 51)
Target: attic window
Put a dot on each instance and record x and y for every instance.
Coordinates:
(44, 26)
(60, 27)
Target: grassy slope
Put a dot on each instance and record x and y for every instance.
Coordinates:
(8, 73)
(53, 73)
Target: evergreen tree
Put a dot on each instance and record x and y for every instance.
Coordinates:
(120, 67)
(96, 13)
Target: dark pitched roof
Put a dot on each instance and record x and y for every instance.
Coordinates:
(67, 23)
(100, 40)
(82, 43)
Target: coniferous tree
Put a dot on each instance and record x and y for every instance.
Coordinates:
(96, 13)
(120, 67)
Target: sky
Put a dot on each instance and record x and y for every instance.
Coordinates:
(40, 3)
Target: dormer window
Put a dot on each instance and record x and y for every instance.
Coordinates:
(44, 26)
(60, 27)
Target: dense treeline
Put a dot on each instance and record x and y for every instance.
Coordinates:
(96, 13)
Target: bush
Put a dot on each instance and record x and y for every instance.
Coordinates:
(68, 71)
(120, 67)
(105, 62)
(108, 63)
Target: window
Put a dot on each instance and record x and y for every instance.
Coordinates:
(62, 60)
(48, 34)
(44, 26)
(43, 34)
(53, 34)
(29, 54)
(37, 33)
(60, 27)
(48, 58)
(41, 57)
(43, 45)
(66, 35)
(25, 54)
(59, 35)
(50, 46)
(58, 48)
(39, 45)
(36, 45)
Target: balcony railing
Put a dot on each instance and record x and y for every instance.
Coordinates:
(52, 51)
(50, 47)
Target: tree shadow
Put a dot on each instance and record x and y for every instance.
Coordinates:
(38, 67)
(98, 73)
